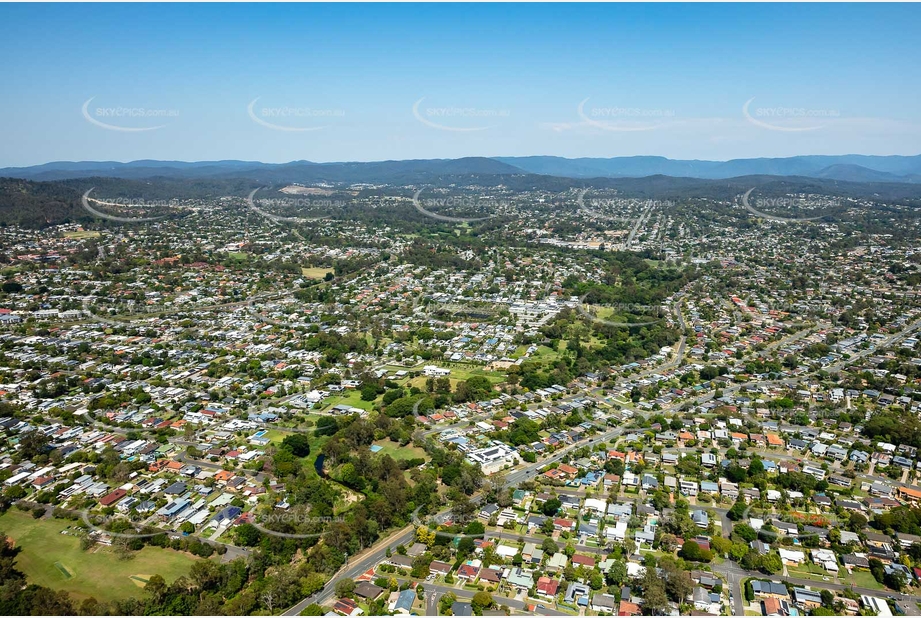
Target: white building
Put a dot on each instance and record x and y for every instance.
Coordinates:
(431, 371)
(495, 457)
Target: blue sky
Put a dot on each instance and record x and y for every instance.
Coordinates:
(370, 82)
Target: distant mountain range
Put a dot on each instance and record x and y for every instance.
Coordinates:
(383, 172)
(851, 168)
(854, 168)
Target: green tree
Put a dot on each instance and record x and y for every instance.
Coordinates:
(313, 610)
(481, 600)
(551, 507)
(655, 599)
(745, 532)
(693, 552)
(595, 580)
(298, 444)
(737, 511)
(247, 535)
(345, 587)
(618, 572)
(770, 563)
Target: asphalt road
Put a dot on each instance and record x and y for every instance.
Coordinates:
(431, 601)
(737, 574)
(356, 566)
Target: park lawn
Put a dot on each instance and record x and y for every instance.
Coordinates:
(398, 452)
(96, 573)
(315, 272)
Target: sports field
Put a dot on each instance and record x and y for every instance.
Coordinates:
(55, 560)
(82, 234)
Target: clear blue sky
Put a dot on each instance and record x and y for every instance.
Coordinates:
(666, 80)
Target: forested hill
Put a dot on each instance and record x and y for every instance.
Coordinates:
(39, 204)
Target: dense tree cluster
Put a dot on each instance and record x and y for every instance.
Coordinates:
(894, 426)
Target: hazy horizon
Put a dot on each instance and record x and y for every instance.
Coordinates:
(198, 161)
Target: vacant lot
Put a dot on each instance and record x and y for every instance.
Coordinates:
(316, 272)
(55, 560)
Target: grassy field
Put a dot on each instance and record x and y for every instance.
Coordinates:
(315, 272)
(861, 579)
(350, 397)
(82, 234)
(55, 560)
(460, 374)
(810, 571)
(276, 436)
(543, 353)
(400, 452)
